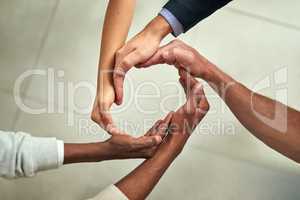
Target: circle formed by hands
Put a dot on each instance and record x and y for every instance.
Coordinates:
(186, 59)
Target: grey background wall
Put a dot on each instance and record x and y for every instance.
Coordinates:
(252, 40)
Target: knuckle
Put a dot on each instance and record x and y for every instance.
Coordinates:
(139, 53)
(118, 72)
(190, 112)
(125, 63)
(119, 53)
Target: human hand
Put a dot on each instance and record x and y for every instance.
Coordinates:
(187, 117)
(100, 114)
(126, 146)
(182, 56)
(119, 146)
(137, 50)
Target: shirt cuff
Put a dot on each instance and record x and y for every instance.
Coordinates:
(110, 193)
(45, 153)
(173, 21)
(61, 152)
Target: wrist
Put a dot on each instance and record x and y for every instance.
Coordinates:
(158, 27)
(216, 76)
(105, 76)
(176, 142)
(105, 79)
(209, 73)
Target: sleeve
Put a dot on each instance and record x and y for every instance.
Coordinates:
(175, 24)
(110, 193)
(190, 12)
(22, 155)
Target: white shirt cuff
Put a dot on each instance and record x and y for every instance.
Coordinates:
(61, 152)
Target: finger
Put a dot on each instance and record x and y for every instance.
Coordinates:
(107, 123)
(118, 79)
(97, 116)
(163, 127)
(187, 81)
(203, 105)
(122, 53)
(160, 126)
(183, 57)
(146, 142)
(157, 58)
(154, 128)
(182, 83)
(169, 57)
(153, 60)
(194, 99)
(105, 118)
(122, 66)
(132, 59)
(168, 118)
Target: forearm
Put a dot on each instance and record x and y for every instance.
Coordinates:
(270, 121)
(115, 29)
(141, 181)
(91, 152)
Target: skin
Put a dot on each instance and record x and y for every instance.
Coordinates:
(273, 123)
(137, 50)
(118, 146)
(115, 29)
(140, 182)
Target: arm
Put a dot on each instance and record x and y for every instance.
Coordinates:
(115, 29)
(275, 124)
(117, 147)
(177, 16)
(140, 182)
(22, 155)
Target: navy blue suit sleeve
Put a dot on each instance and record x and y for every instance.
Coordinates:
(190, 12)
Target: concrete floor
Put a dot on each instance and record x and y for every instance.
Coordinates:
(253, 41)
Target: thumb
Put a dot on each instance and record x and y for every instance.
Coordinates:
(118, 79)
(147, 142)
(154, 60)
(182, 57)
(194, 99)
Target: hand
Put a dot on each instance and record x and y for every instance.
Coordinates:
(125, 146)
(119, 146)
(139, 49)
(181, 56)
(186, 118)
(103, 102)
